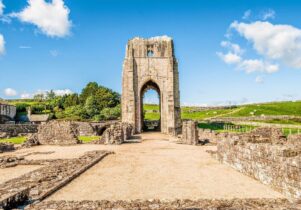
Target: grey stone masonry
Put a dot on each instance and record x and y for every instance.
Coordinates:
(190, 133)
(151, 64)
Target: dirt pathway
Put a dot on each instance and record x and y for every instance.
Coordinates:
(157, 168)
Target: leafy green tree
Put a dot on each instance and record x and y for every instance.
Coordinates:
(39, 97)
(50, 95)
(113, 113)
(90, 90)
(71, 100)
(91, 106)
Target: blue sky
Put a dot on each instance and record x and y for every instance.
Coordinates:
(229, 51)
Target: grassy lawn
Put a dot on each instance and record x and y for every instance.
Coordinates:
(87, 139)
(275, 108)
(14, 140)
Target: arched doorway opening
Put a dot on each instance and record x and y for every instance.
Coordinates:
(150, 104)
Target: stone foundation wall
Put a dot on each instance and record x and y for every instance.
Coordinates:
(38, 184)
(204, 204)
(208, 136)
(58, 133)
(13, 130)
(266, 155)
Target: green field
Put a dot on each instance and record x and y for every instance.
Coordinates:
(274, 108)
(267, 109)
(186, 113)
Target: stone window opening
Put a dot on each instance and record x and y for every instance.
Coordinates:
(150, 53)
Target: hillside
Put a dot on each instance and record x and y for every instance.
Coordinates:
(287, 108)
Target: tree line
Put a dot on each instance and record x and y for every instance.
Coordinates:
(95, 102)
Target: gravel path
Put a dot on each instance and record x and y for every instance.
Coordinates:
(157, 169)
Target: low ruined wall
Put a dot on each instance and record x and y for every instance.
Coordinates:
(117, 133)
(207, 135)
(204, 204)
(92, 128)
(13, 130)
(266, 156)
(57, 132)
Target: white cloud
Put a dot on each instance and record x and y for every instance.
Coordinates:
(2, 45)
(52, 18)
(275, 42)
(229, 58)
(1, 8)
(26, 96)
(235, 48)
(269, 14)
(63, 92)
(10, 92)
(255, 65)
(25, 47)
(59, 92)
(259, 80)
(247, 14)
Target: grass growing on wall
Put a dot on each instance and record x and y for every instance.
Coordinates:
(14, 140)
(87, 139)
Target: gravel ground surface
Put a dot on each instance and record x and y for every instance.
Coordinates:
(157, 169)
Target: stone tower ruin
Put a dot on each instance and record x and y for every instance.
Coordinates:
(151, 64)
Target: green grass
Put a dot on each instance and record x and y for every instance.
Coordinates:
(288, 131)
(280, 121)
(87, 139)
(274, 108)
(186, 112)
(14, 140)
(225, 127)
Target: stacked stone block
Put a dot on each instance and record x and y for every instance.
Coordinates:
(58, 133)
(117, 133)
(190, 132)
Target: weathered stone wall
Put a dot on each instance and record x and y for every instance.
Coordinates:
(92, 128)
(151, 64)
(208, 136)
(13, 130)
(8, 111)
(117, 133)
(58, 132)
(190, 132)
(266, 155)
